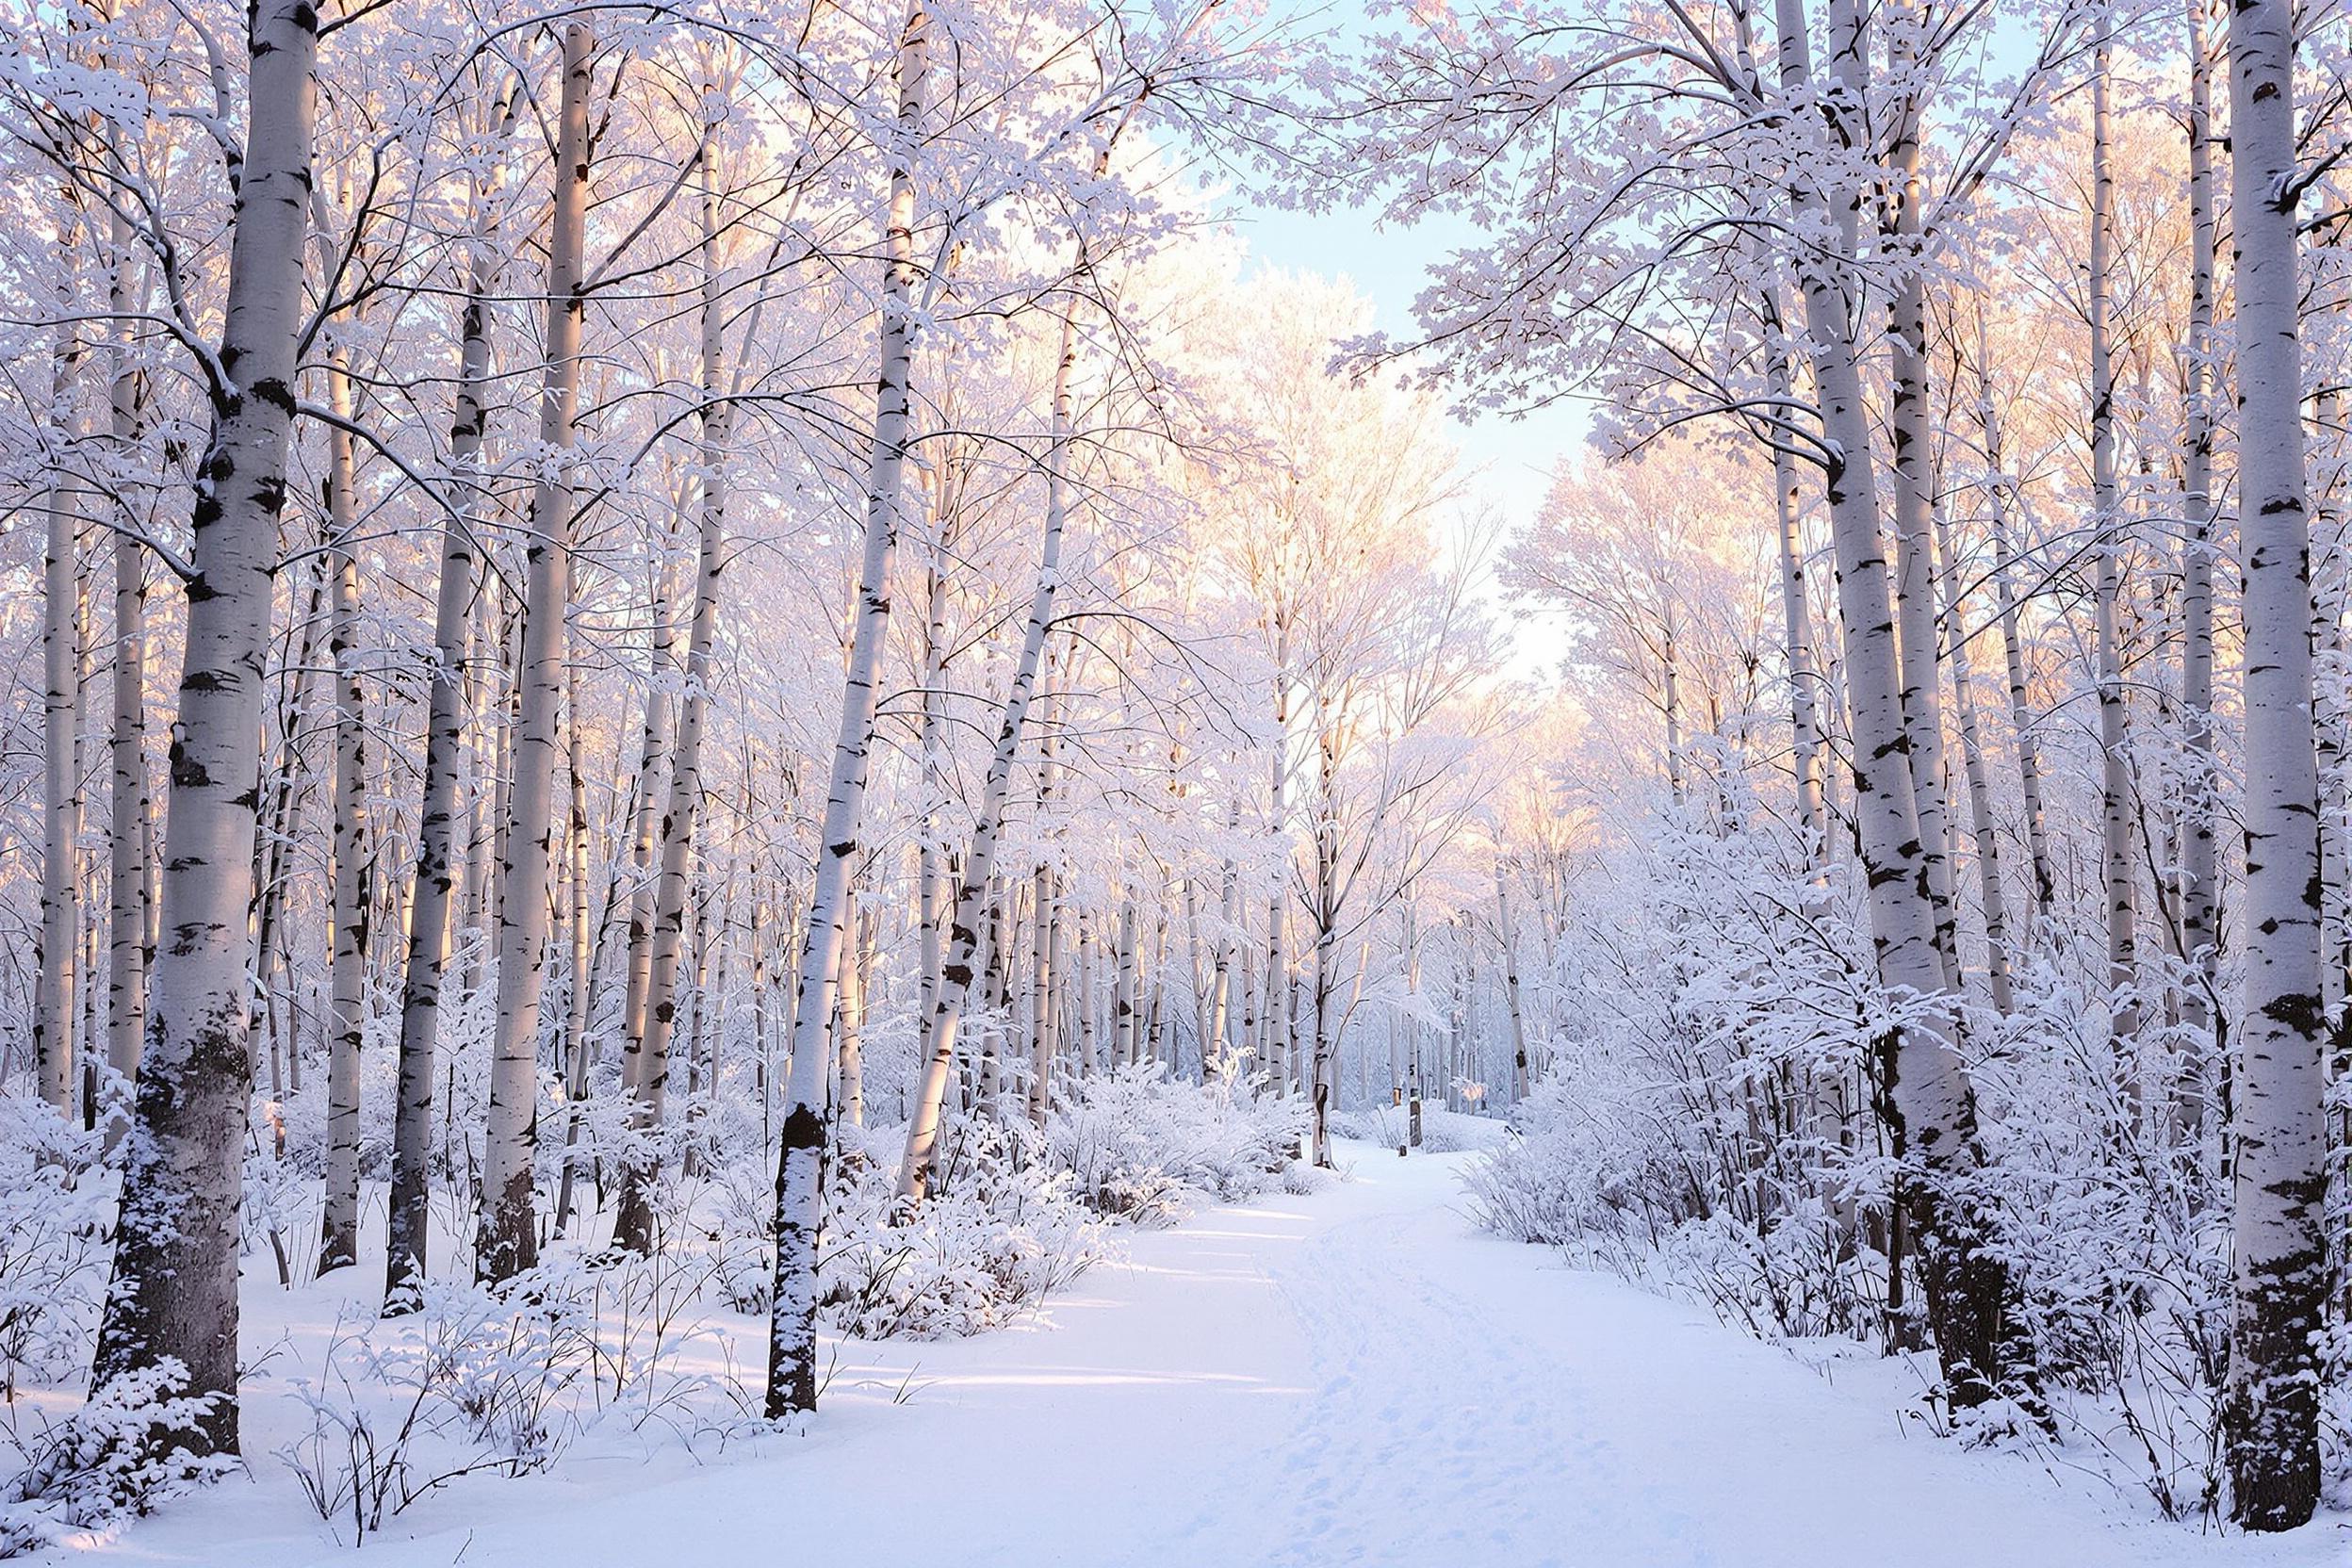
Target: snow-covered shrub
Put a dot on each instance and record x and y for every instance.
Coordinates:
(358, 1463)
(1001, 1230)
(54, 1211)
(1134, 1141)
(111, 1460)
(742, 1232)
(1703, 1136)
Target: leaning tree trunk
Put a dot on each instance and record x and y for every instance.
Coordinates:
(2270, 1416)
(355, 862)
(508, 1240)
(808, 1133)
(174, 1292)
(967, 920)
(408, 1218)
(633, 1228)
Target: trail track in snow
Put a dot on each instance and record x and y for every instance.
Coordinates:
(1353, 1378)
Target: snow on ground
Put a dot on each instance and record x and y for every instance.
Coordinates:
(1354, 1377)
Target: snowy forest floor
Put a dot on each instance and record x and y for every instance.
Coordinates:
(1354, 1377)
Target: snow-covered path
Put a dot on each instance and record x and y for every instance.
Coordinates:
(1352, 1377)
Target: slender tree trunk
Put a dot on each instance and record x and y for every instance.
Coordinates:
(1980, 828)
(964, 923)
(508, 1241)
(578, 1045)
(1999, 491)
(54, 1007)
(653, 751)
(408, 1219)
(1804, 718)
(1918, 650)
(2115, 805)
(2200, 921)
(355, 850)
(807, 1136)
(2271, 1416)
(131, 804)
(173, 1290)
(634, 1228)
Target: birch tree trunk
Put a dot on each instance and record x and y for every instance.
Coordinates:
(408, 1216)
(131, 804)
(1928, 1102)
(354, 863)
(2200, 922)
(1917, 645)
(508, 1240)
(578, 1045)
(807, 1133)
(173, 1289)
(2270, 1416)
(633, 1228)
(57, 986)
(1999, 491)
(967, 918)
(1796, 618)
(2116, 808)
(1981, 828)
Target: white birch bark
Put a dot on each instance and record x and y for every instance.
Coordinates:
(173, 1290)
(353, 844)
(2201, 928)
(507, 1242)
(634, 1226)
(58, 983)
(2115, 805)
(965, 922)
(432, 905)
(1929, 1103)
(2280, 1267)
(131, 803)
(806, 1132)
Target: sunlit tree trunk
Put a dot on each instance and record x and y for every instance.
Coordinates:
(431, 909)
(353, 847)
(173, 1290)
(55, 987)
(2200, 922)
(2115, 805)
(131, 804)
(508, 1241)
(1927, 1100)
(2000, 491)
(634, 1226)
(1908, 418)
(806, 1135)
(2270, 1416)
